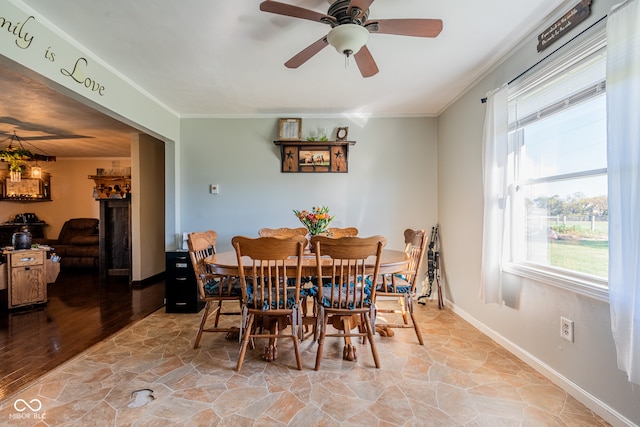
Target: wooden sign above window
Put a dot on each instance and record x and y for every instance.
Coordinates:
(570, 20)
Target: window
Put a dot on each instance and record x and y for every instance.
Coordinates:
(557, 214)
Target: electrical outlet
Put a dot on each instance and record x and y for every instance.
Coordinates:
(566, 329)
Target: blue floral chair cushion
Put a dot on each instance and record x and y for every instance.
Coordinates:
(289, 303)
(212, 287)
(306, 287)
(354, 292)
(402, 286)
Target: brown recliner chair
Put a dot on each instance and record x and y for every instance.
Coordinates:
(78, 243)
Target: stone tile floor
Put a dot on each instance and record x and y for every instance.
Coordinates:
(459, 377)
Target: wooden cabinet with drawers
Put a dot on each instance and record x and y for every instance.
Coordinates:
(27, 279)
(181, 289)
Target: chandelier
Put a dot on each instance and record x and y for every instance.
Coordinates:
(17, 153)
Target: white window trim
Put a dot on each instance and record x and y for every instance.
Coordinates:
(570, 57)
(580, 284)
(588, 286)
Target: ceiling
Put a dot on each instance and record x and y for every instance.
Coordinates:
(53, 124)
(224, 58)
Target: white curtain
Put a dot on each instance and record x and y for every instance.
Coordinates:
(623, 158)
(494, 174)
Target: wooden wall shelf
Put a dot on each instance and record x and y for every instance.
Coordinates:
(28, 189)
(111, 186)
(314, 156)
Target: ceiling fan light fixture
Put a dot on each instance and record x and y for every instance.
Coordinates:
(348, 39)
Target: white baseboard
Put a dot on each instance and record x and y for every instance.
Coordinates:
(582, 395)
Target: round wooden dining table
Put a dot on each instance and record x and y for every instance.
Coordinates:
(226, 263)
(391, 261)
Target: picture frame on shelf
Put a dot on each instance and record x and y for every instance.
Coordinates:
(290, 129)
(342, 133)
(25, 189)
(314, 159)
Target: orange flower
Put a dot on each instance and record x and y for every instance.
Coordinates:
(317, 221)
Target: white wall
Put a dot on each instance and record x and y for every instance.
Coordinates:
(391, 184)
(529, 322)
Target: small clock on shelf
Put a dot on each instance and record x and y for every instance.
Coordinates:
(342, 133)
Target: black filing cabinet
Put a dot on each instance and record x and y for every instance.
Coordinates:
(181, 287)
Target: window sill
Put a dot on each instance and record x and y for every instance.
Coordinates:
(588, 286)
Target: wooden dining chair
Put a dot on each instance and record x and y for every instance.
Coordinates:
(270, 274)
(345, 294)
(282, 232)
(402, 285)
(342, 232)
(308, 319)
(214, 289)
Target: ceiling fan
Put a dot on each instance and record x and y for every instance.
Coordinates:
(350, 28)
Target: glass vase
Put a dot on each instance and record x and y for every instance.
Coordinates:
(311, 248)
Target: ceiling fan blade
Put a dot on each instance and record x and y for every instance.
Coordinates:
(366, 63)
(307, 53)
(363, 5)
(406, 27)
(294, 11)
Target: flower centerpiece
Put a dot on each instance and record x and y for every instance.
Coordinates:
(317, 221)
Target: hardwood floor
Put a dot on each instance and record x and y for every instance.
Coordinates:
(82, 311)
